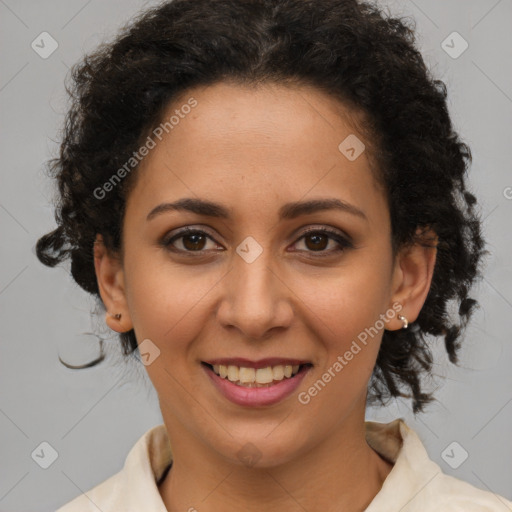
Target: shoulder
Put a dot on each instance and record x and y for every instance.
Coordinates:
(445, 493)
(416, 483)
(450, 494)
(96, 497)
(135, 487)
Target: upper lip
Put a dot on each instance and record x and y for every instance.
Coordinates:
(261, 363)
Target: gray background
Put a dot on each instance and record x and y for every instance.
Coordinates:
(93, 417)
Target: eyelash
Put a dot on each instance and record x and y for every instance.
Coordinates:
(343, 242)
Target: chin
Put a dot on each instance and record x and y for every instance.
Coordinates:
(263, 450)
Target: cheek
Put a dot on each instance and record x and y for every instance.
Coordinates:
(343, 313)
(167, 301)
(345, 324)
(170, 308)
(346, 300)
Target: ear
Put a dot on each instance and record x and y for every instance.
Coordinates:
(412, 276)
(110, 278)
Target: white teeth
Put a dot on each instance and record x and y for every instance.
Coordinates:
(246, 375)
(243, 375)
(278, 372)
(233, 373)
(264, 375)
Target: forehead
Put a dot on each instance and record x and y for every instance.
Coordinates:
(253, 147)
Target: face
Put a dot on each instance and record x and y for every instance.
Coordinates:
(267, 279)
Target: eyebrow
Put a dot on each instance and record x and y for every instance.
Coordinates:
(286, 212)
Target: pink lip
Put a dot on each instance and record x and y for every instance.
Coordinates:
(261, 363)
(254, 397)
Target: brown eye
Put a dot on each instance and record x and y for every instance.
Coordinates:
(194, 242)
(317, 241)
(189, 241)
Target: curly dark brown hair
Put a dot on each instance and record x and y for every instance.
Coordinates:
(352, 51)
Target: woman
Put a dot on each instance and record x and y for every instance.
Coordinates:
(269, 198)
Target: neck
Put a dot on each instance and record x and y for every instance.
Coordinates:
(340, 473)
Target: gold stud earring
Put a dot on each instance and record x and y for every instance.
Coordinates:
(404, 321)
(116, 316)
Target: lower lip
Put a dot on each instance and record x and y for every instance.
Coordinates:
(254, 397)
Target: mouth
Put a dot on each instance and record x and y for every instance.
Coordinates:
(261, 374)
(256, 384)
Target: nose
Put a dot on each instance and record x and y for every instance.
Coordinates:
(255, 299)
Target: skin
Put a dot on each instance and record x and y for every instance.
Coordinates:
(254, 150)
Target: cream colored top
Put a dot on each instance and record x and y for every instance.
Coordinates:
(415, 484)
